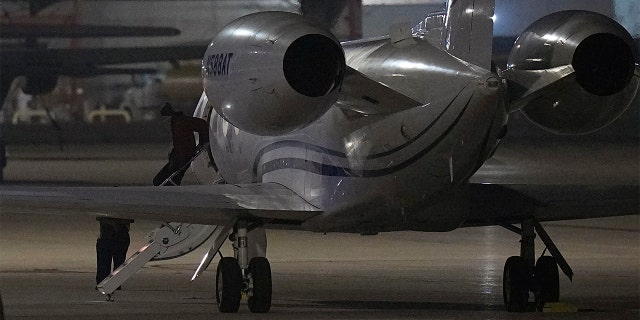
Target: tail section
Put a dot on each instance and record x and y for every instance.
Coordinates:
(468, 30)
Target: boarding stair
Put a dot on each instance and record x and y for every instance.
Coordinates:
(169, 241)
(169, 180)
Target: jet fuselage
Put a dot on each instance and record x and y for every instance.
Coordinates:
(406, 169)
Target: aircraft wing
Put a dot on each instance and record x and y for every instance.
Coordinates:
(90, 61)
(559, 181)
(496, 204)
(212, 204)
(47, 30)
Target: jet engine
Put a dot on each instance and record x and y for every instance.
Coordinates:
(271, 73)
(573, 72)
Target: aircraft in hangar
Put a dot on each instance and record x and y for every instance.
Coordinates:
(387, 134)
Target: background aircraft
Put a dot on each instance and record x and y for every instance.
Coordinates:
(41, 66)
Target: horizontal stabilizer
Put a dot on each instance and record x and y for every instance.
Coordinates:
(365, 95)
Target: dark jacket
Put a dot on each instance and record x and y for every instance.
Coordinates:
(114, 228)
(182, 129)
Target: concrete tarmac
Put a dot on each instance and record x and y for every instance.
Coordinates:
(47, 264)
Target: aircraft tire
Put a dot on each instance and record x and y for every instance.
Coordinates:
(547, 281)
(515, 284)
(260, 299)
(228, 285)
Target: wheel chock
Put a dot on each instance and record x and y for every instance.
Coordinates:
(559, 307)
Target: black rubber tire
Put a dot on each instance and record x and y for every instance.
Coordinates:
(260, 297)
(228, 285)
(547, 281)
(515, 284)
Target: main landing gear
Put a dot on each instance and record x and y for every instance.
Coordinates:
(523, 274)
(239, 277)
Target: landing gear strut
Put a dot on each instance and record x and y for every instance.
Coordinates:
(523, 274)
(239, 277)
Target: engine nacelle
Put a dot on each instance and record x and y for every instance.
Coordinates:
(271, 73)
(573, 72)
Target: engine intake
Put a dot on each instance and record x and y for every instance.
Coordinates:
(603, 63)
(311, 64)
(271, 73)
(572, 72)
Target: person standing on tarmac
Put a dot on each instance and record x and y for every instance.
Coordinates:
(112, 245)
(184, 143)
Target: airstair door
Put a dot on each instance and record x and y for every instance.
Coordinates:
(169, 241)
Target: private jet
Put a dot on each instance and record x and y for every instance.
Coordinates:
(402, 132)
